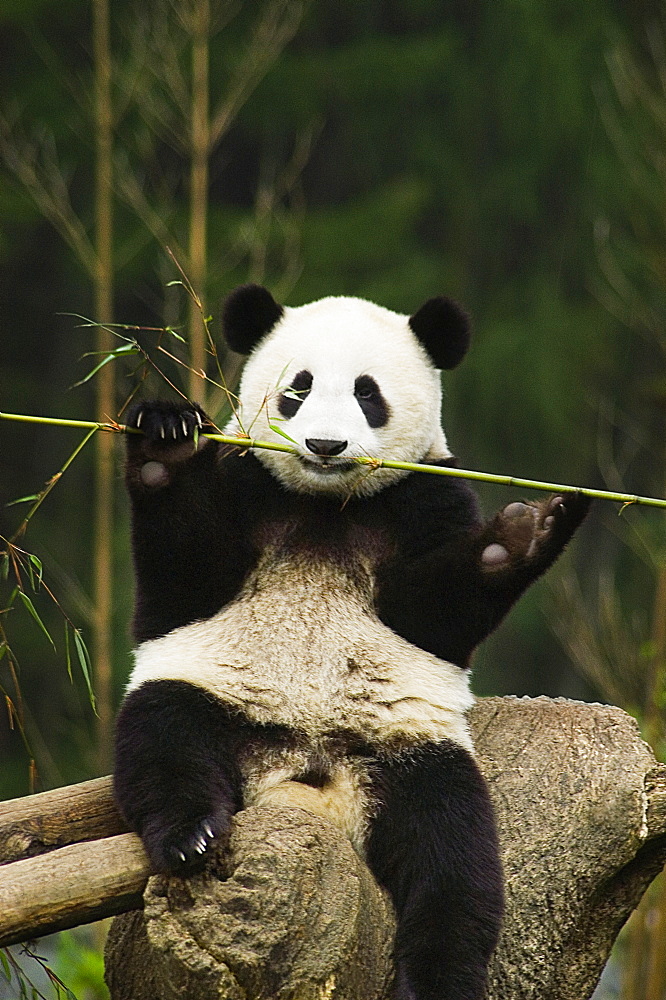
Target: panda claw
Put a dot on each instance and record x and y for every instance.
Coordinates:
(209, 832)
(139, 419)
(182, 856)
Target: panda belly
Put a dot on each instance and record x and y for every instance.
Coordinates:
(302, 648)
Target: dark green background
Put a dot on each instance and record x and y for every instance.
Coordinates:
(461, 148)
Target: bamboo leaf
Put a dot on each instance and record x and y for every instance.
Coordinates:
(174, 333)
(277, 430)
(86, 667)
(33, 496)
(4, 566)
(127, 349)
(33, 611)
(37, 563)
(68, 655)
(5, 966)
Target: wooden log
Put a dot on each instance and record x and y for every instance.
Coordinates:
(70, 886)
(37, 823)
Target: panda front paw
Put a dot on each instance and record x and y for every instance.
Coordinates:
(532, 533)
(183, 849)
(167, 424)
(169, 434)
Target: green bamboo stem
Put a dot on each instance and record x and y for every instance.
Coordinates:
(375, 463)
(105, 385)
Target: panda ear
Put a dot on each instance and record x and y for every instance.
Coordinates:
(443, 327)
(248, 314)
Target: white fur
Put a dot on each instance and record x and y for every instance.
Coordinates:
(302, 646)
(338, 340)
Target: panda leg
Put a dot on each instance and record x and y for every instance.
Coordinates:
(433, 846)
(176, 779)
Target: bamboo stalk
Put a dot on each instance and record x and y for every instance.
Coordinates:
(199, 153)
(376, 463)
(105, 401)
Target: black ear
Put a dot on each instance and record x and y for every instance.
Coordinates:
(443, 327)
(248, 313)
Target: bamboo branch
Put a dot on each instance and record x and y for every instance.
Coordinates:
(199, 150)
(105, 387)
(245, 443)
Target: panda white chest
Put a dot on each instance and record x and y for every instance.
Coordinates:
(301, 646)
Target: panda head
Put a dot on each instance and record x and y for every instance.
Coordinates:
(342, 378)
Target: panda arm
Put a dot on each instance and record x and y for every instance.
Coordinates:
(453, 577)
(189, 553)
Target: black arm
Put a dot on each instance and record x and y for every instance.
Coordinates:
(453, 578)
(188, 556)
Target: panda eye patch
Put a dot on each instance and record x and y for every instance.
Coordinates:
(369, 398)
(291, 399)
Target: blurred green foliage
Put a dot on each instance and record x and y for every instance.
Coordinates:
(505, 152)
(457, 148)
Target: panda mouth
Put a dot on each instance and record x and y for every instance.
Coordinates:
(327, 466)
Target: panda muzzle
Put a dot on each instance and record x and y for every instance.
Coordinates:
(324, 447)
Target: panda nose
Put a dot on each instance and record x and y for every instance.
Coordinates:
(322, 446)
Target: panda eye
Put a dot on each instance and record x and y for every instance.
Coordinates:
(365, 387)
(369, 398)
(291, 399)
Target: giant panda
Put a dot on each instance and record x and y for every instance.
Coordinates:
(305, 623)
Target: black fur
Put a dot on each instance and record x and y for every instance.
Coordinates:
(290, 401)
(247, 315)
(176, 776)
(369, 397)
(198, 529)
(443, 327)
(433, 846)
(195, 540)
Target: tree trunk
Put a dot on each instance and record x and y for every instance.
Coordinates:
(289, 910)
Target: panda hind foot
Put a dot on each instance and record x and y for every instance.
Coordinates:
(183, 849)
(532, 532)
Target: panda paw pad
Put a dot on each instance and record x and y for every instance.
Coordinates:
(523, 530)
